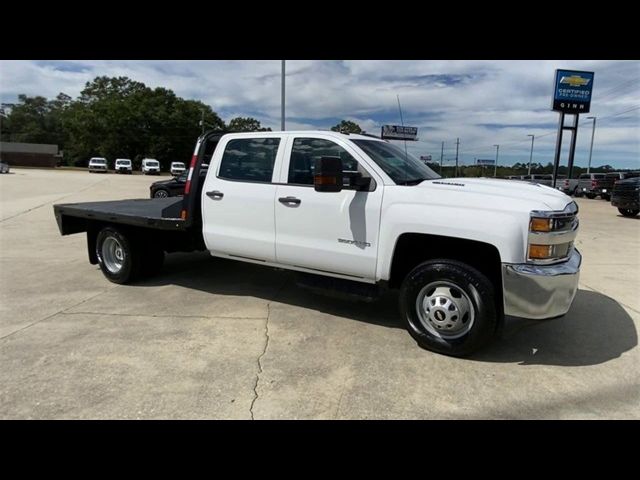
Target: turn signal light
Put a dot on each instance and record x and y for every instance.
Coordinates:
(540, 252)
(541, 224)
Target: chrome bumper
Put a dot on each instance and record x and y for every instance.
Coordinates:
(540, 291)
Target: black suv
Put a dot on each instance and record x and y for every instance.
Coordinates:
(169, 188)
(626, 196)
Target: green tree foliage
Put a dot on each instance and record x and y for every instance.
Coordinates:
(114, 117)
(347, 126)
(246, 124)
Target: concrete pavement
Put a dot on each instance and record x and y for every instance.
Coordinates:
(212, 338)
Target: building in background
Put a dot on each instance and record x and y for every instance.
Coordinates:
(30, 154)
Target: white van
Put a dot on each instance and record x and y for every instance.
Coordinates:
(123, 165)
(150, 166)
(98, 164)
(177, 168)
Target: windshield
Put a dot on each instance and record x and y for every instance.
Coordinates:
(123, 162)
(98, 161)
(403, 169)
(151, 163)
(178, 165)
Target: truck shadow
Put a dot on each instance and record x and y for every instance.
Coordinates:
(596, 329)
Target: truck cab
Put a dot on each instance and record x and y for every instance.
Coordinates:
(358, 213)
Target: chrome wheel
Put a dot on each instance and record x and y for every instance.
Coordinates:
(161, 194)
(113, 255)
(445, 310)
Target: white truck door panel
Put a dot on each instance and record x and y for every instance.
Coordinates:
(238, 197)
(330, 232)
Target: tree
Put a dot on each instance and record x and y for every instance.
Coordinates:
(246, 124)
(347, 126)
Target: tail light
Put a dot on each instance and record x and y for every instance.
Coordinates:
(594, 183)
(187, 187)
(566, 183)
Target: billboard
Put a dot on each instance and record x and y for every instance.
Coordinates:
(572, 91)
(397, 132)
(425, 158)
(485, 161)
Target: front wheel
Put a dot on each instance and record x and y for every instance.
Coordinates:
(629, 212)
(448, 307)
(591, 196)
(161, 193)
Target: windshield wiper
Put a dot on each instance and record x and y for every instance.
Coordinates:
(413, 181)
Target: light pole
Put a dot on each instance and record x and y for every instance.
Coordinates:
(593, 133)
(282, 98)
(495, 167)
(531, 155)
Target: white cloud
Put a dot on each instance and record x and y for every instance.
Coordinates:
(481, 102)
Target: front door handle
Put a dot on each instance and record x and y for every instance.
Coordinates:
(290, 200)
(215, 194)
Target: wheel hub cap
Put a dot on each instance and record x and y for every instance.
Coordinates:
(112, 255)
(445, 310)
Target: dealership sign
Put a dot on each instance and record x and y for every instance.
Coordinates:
(397, 132)
(572, 91)
(482, 161)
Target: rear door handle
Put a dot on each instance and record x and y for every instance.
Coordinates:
(215, 194)
(290, 200)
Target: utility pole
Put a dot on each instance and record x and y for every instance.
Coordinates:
(593, 133)
(282, 98)
(441, 155)
(531, 155)
(495, 167)
(457, 145)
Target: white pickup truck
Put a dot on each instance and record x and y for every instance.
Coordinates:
(355, 213)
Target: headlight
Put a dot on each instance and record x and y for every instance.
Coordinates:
(551, 234)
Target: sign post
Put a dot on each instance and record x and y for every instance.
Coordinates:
(571, 94)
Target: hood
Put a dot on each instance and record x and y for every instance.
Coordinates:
(503, 190)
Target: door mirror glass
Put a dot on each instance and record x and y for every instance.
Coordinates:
(327, 175)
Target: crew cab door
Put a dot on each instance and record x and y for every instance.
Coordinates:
(238, 197)
(333, 232)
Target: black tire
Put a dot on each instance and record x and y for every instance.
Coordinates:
(591, 196)
(629, 212)
(161, 193)
(479, 292)
(131, 258)
(605, 197)
(152, 261)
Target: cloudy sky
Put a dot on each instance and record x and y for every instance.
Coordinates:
(481, 102)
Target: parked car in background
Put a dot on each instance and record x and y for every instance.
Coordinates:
(626, 196)
(568, 186)
(592, 185)
(612, 178)
(169, 188)
(177, 168)
(98, 164)
(150, 166)
(123, 165)
(4, 167)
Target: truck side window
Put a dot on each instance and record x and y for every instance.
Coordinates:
(304, 153)
(249, 159)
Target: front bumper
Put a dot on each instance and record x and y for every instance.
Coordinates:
(540, 291)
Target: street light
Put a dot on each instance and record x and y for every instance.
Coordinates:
(495, 167)
(531, 155)
(593, 132)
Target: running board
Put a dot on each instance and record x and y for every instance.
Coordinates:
(338, 287)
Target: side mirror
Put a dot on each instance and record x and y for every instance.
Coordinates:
(327, 176)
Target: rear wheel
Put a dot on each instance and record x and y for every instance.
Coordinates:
(605, 197)
(118, 256)
(629, 212)
(591, 195)
(448, 307)
(152, 261)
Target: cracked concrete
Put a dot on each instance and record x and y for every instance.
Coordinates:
(212, 338)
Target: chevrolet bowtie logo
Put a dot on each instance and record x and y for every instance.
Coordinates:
(575, 81)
